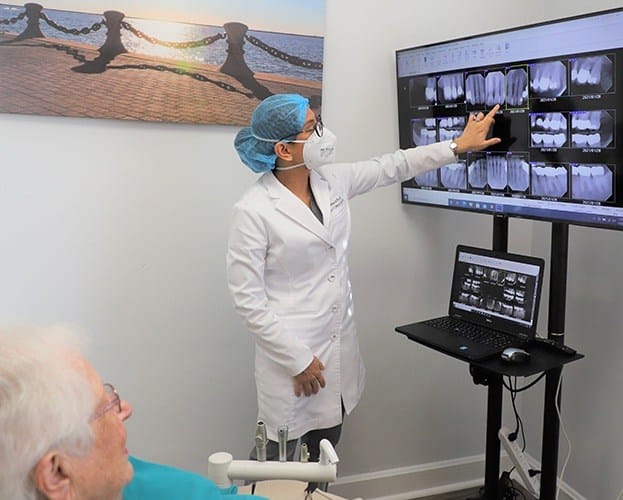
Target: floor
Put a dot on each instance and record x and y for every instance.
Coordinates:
(457, 495)
(474, 494)
(294, 490)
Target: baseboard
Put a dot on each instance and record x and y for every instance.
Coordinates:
(417, 481)
(436, 478)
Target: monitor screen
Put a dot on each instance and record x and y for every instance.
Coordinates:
(560, 87)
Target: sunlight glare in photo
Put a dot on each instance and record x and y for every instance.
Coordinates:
(165, 32)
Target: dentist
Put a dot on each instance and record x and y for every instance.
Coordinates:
(287, 262)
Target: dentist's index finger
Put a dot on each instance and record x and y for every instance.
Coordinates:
(493, 111)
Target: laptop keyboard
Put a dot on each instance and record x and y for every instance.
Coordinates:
(476, 333)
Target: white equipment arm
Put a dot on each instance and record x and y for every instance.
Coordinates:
(222, 469)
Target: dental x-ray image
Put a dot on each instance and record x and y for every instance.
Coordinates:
(422, 91)
(549, 180)
(548, 79)
(450, 88)
(484, 90)
(520, 296)
(509, 294)
(548, 130)
(518, 173)
(517, 88)
(591, 75)
(475, 91)
(451, 127)
(495, 89)
(592, 129)
(591, 182)
(454, 175)
(423, 131)
(495, 276)
(497, 171)
(428, 179)
(477, 172)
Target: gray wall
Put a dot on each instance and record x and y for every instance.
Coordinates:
(120, 228)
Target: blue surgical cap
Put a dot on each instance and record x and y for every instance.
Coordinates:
(275, 118)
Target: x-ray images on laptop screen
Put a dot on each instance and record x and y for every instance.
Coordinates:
(503, 290)
(560, 85)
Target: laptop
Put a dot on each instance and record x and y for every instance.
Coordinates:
(494, 304)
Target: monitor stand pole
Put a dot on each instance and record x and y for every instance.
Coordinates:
(555, 330)
(493, 381)
(556, 327)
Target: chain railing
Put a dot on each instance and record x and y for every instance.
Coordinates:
(204, 42)
(294, 60)
(13, 20)
(73, 31)
(235, 34)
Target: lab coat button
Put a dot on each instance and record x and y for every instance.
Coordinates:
(334, 336)
(334, 309)
(331, 278)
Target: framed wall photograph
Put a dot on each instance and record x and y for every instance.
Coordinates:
(201, 61)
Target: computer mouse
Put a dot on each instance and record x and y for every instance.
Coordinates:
(515, 355)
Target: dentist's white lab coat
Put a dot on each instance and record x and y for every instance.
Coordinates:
(288, 276)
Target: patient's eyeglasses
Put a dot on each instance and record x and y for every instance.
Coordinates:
(114, 403)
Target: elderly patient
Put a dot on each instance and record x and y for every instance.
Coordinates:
(62, 432)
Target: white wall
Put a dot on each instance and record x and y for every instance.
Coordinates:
(120, 228)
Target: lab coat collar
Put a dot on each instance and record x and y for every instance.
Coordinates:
(287, 203)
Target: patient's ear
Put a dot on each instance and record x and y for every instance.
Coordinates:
(50, 476)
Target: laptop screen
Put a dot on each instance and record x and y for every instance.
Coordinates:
(497, 289)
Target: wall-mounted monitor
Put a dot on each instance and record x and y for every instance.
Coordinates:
(560, 87)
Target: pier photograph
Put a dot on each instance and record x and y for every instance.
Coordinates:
(200, 62)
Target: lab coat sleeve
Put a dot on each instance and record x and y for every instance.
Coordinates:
(246, 253)
(363, 176)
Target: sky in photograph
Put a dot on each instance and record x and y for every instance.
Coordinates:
(285, 16)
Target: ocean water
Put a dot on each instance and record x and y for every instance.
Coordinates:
(306, 47)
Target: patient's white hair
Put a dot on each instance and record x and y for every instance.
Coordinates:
(45, 403)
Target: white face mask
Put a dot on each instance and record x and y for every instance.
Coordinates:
(317, 151)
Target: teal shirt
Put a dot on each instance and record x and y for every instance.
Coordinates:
(160, 482)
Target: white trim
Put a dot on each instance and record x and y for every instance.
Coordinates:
(435, 478)
(416, 481)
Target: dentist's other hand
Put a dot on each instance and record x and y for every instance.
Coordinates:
(310, 380)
